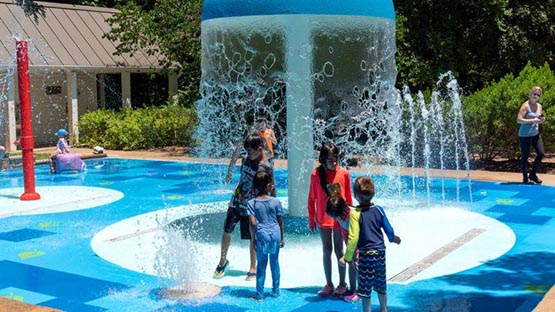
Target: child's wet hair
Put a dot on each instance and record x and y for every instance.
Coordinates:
(336, 207)
(260, 183)
(364, 189)
(327, 150)
(254, 142)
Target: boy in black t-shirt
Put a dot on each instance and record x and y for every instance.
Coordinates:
(255, 161)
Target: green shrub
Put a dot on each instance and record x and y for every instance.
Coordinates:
(141, 128)
(93, 126)
(490, 114)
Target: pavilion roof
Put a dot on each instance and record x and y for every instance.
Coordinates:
(66, 36)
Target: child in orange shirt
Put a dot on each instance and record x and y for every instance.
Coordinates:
(328, 173)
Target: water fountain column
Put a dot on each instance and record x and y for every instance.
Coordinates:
(27, 140)
(300, 159)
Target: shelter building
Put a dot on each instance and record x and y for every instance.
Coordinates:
(72, 67)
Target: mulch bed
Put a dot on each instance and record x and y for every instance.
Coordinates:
(547, 166)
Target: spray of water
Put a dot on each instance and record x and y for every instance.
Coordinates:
(247, 73)
(180, 259)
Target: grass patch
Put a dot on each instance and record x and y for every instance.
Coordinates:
(38, 156)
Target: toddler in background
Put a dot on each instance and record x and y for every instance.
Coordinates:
(61, 148)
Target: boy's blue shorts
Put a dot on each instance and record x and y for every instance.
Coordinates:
(371, 272)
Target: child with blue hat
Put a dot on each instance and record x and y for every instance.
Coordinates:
(61, 132)
(61, 148)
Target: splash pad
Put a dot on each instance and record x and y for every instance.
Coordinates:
(413, 298)
(332, 76)
(158, 187)
(318, 72)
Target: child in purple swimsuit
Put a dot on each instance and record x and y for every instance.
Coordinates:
(338, 209)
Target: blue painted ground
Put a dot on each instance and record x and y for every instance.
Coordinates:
(47, 259)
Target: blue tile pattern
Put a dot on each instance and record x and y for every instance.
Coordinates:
(526, 219)
(69, 276)
(23, 235)
(24, 295)
(70, 291)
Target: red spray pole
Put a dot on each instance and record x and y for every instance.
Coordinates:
(26, 140)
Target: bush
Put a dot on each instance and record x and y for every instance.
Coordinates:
(490, 114)
(93, 126)
(142, 128)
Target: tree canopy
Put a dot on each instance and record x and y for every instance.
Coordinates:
(170, 28)
(480, 41)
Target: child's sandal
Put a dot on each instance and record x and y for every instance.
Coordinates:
(251, 276)
(220, 270)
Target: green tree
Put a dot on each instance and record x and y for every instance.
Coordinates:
(478, 40)
(490, 114)
(170, 28)
(30, 7)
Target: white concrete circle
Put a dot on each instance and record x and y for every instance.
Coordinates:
(55, 199)
(141, 244)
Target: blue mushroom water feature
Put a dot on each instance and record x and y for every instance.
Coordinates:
(313, 68)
